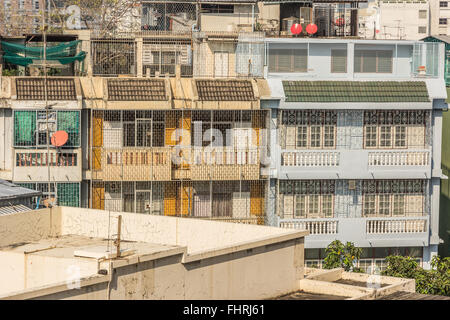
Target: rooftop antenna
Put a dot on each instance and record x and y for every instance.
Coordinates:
(44, 33)
(117, 241)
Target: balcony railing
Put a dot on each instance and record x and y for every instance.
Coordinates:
(328, 226)
(399, 158)
(252, 220)
(396, 225)
(134, 164)
(310, 159)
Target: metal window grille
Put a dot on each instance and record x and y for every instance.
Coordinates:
(112, 57)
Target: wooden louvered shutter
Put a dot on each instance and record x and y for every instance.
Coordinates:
(284, 60)
(358, 61)
(300, 57)
(384, 64)
(369, 61)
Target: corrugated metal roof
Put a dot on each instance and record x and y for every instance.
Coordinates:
(10, 190)
(4, 211)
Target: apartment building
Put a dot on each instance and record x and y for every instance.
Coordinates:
(395, 19)
(356, 133)
(318, 131)
(440, 13)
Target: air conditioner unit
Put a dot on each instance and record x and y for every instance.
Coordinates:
(351, 185)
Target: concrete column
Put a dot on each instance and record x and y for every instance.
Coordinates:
(271, 214)
(350, 59)
(434, 216)
(428, 254)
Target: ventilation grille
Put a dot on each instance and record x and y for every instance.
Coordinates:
(34, 89)
(225, 90)
(137, 90)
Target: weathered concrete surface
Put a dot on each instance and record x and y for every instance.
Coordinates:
(167, 258)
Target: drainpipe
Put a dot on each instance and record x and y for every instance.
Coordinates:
(253, 17)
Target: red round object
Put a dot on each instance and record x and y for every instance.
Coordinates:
(311, 28)
(340, 21)
(59, 138)
(377, 31)
(296, 28)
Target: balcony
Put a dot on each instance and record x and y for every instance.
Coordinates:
(167, 163)
(310, 159)
(135, 164)
(399, 158)
(314, 226)
(396, 225)
(355, 164)
(33, 165)
(225, 164)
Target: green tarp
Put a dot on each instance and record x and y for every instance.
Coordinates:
(25, 128)
(69, 121)
(64, 53)
(68, 194)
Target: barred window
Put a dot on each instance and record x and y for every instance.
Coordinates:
(308, 129)
(395, 129)
(315, 136)
(302, 136)
(327, 205)
(300, 206)
(399, 205)
(307, 198)
(384, 204)
(369, 205)
(386, 198)
(385, 136)
(400, 136)
(329, 138)
(370, 136)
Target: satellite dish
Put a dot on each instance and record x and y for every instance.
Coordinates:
(59, 138)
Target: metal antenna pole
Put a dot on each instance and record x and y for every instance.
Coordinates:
(46, 102)
(117, 243)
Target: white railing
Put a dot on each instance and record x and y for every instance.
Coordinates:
(396, 225)
(310, 159)
(399, 158)
(224, 156)
(313, 226)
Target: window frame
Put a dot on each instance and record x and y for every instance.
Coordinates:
(333, 57)
(364, 57)
(292, 62)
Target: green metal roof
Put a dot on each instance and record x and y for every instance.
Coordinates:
(356, 91)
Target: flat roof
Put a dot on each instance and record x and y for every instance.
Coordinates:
(67, 245)
(300, 295)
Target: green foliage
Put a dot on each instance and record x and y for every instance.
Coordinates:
(435, 281)
(10, 72)
(342, 256)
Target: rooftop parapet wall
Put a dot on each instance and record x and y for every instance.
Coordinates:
(201, 237)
